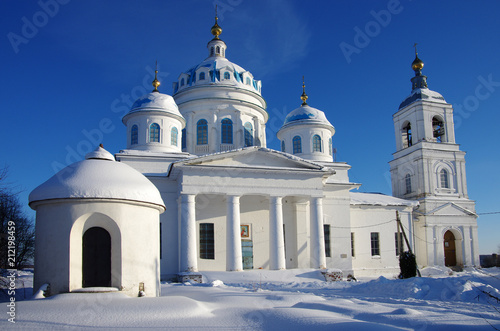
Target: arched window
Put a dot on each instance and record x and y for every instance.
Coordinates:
(173, 136)
(283, 146)
(183, 139)
(212, 51)
(297, 145)
(248, 134)
(330, 146)
(444, 178)
(227, 75)
(182, 82)
(227, 131)
(217, 50)
(154, 133)
(248, 81)
(407, 137)
(408, 183)
(202, 132)
(437, 129)
(316, 143)
(202, 76)
(134, 135)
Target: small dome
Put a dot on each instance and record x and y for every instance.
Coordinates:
(306, 114)
(155, 101)
(98, 176)
(417, 64)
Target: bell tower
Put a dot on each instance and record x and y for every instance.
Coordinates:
(429, 166)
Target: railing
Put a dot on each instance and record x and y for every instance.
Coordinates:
(226, 147)
(201, 149)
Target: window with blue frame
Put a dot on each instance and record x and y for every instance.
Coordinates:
(316, 143)
(217, 49)
(182, 82)
(445, 183)
(134, 135)
(297, 145)
(202, 132)
(283, 146)
(248, 134)
(227, 75)
(154, 133)
(227, 131)
(183, 139)
(202, 76)
(207, 241)
(173, 136)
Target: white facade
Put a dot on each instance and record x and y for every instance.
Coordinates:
(233, 204)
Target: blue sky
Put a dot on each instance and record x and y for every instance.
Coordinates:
(70, 70)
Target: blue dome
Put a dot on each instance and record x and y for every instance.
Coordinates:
(306, 114)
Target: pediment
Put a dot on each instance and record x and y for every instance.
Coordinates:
(451, 209)
(254, 157)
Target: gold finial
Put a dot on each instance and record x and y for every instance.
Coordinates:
(216, 29)
(304, 96)
(417, 64)
(156, 82)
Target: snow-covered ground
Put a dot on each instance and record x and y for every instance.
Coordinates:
(279, 300)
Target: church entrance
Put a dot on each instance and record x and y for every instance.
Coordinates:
(247, 253)
(96, 264)
(450, 257)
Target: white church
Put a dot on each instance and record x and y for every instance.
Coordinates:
(197, 189)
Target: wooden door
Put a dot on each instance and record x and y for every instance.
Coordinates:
(450, 257)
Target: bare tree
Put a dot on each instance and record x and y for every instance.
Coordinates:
(17, 232)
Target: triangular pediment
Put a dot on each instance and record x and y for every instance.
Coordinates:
(450, 209)
(253, 157)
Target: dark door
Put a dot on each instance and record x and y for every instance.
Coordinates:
(450, 257)
(96, 262)
(247, 252)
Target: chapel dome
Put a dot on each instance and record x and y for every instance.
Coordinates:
(99, 176)
(306, 114)
(155, 101)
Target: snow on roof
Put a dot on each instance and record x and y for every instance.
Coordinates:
(98, 176)
(379, 199)
(422, 94)
(156, 101)
(306, 115)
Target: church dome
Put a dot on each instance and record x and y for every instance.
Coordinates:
(155, 101)
(99, 176)
(306, 115)
(422, 94)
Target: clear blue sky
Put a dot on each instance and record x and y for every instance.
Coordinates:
(77, 66)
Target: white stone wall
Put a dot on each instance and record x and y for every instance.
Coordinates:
(134, 231)
(366, 219)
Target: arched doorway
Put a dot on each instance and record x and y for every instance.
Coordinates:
(450, 256)
(96, 260)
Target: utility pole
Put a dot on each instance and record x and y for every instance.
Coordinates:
(400, 226)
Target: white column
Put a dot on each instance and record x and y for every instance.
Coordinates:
(256, 134)
(188, 257)
(234, 260)
(474, 246)
(466, 251)
(318, 257)
(439, 259)
(191, 134)
(276, 240)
